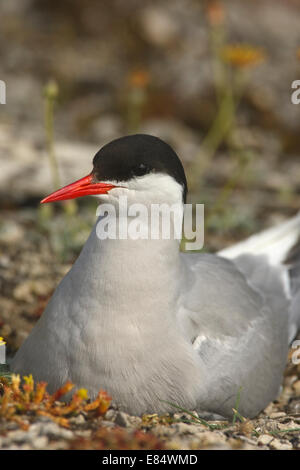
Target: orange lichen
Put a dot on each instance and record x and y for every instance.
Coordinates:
(23, 402)
(19, 401)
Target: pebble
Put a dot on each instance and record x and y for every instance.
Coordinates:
(110, 415)
(40, 442)
(51, 430)
(296, 388)
(264, 439)
(26, 290)
(184, 428)
(4, 261)
(122, 419)
(37, 436)
(19, 436)
(77, 419)
(279, 414)
(212, 438)
(11, 232)
(294, 407)
(276, 444)
(106, 424)
(159, 430)
(158, 26)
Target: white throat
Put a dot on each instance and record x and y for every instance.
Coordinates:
(126, 275)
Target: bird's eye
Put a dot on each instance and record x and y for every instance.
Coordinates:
(141, 169)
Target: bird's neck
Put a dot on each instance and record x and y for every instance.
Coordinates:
(127, 276)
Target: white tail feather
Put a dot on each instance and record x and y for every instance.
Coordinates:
(275, 242)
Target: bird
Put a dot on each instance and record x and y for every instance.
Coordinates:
(157, 327)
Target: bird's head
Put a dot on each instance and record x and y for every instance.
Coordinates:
(141, 167)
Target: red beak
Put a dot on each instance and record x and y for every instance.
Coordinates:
(82, 187)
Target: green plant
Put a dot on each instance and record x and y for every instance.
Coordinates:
(137, 97)
(230, 66)
(66, 232)
(51, 93)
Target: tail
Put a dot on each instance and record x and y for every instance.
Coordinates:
(281, 246)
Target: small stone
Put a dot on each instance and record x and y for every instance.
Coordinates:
(4, 261)
(110, 415)
(290, 380)
(24, 291)
(269, 409)
(135, 421)
(296, 388)
(20, 447)
(11, 232)
(41, 419)
(212, 439)
(288, 424)
(11, 426)
(294, 407)
(77, 419)
(264, 439)
(106, 424)
(276, 444)
(122, 419)
(40, 442)
(184, 428)
(174, 445)
(279, 414)
(19, 436)
(158, 26)
(53, 431)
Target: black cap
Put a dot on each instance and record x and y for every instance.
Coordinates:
(137, 155)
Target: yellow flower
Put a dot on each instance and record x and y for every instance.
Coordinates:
(28, 380)
(83, 393)
(243, 55)
(2, 342)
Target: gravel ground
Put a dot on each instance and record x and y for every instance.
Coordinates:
(119, 430)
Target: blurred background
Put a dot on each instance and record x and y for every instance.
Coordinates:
(212, 78)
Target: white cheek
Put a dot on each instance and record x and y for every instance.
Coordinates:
(154, 187)
(157, 187)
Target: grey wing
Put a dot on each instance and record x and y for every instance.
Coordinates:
(279, 249)
(240, 336)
